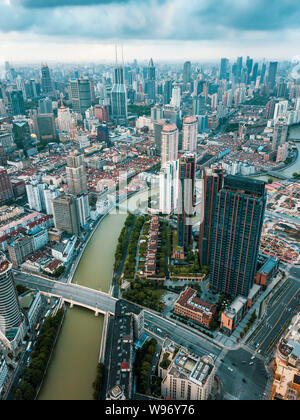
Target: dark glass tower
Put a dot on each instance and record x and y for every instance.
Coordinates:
(119, 96)
(186, 73)
(272, 74)
(236, 231)
(224, 69)
(46, 80)
(150, 82)
(186, 199)
(212, 183)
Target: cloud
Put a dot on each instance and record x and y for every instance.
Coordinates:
(100, 20)
(32, 4)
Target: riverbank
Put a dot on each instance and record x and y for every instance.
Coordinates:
(74, 363)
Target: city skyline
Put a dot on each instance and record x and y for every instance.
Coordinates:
(77, 30)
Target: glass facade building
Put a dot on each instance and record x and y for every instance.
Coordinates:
(236, 231)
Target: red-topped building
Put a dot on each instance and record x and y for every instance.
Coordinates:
(190, 306)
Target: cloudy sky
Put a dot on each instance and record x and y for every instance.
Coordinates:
(86, 30)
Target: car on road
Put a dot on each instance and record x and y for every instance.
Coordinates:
(253, 357)
(231, 370)
(251, 363)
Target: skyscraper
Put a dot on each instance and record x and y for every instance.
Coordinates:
(64, 119)
(186, 74)
(119, 96)
(236, 231)
(46, 80)
(80, 94)
(169, 143)
(168, 187)
(190, 131)
(186, 199)
(16, 102)
(158, 127)
(167, 92)
(10, 312)
(249, 65)
(212, 183)
(21, 132)
(150, 88)
(254, 72)
(224, 75)
(6, 191)
(176, 96)
(238, 68)
(76, 174)
(272, 74)
(280, 133)
(65, 214)
(45, 106)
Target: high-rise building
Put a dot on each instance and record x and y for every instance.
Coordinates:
(83, 209)
(46, 80)
(65, 214)
(186, 200)
(45, 106)
(64, 119)
(80, 94)
(272, 74)
(270, 108)
(119, 96)
(280, 133)
(16, 102)
(158, 126)
(167, 91)
(281, 109)
(169, 143)
(19, 249)
(10, 311)
(254, 72)
(236, 230)
(238, 70)
(168, 187)
(6, 190)
(190, 131)
(150, 87)
(157, 113)
(249, 65)
(44, 126)
(212, 183)
(199, 105)
(186, 74)
(103, 134)
(34, 191)
(21, 132)
(263, 73)
(224, 74)
(176, 96)
(76, 174)
(50, 193)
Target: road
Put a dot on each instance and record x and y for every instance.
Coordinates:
(181, 335)
(281, 308)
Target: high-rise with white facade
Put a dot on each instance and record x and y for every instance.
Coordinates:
(176, 96)
(64, 119)
(10, 311)
(190, 131)
(169, 143)
(168, 187)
